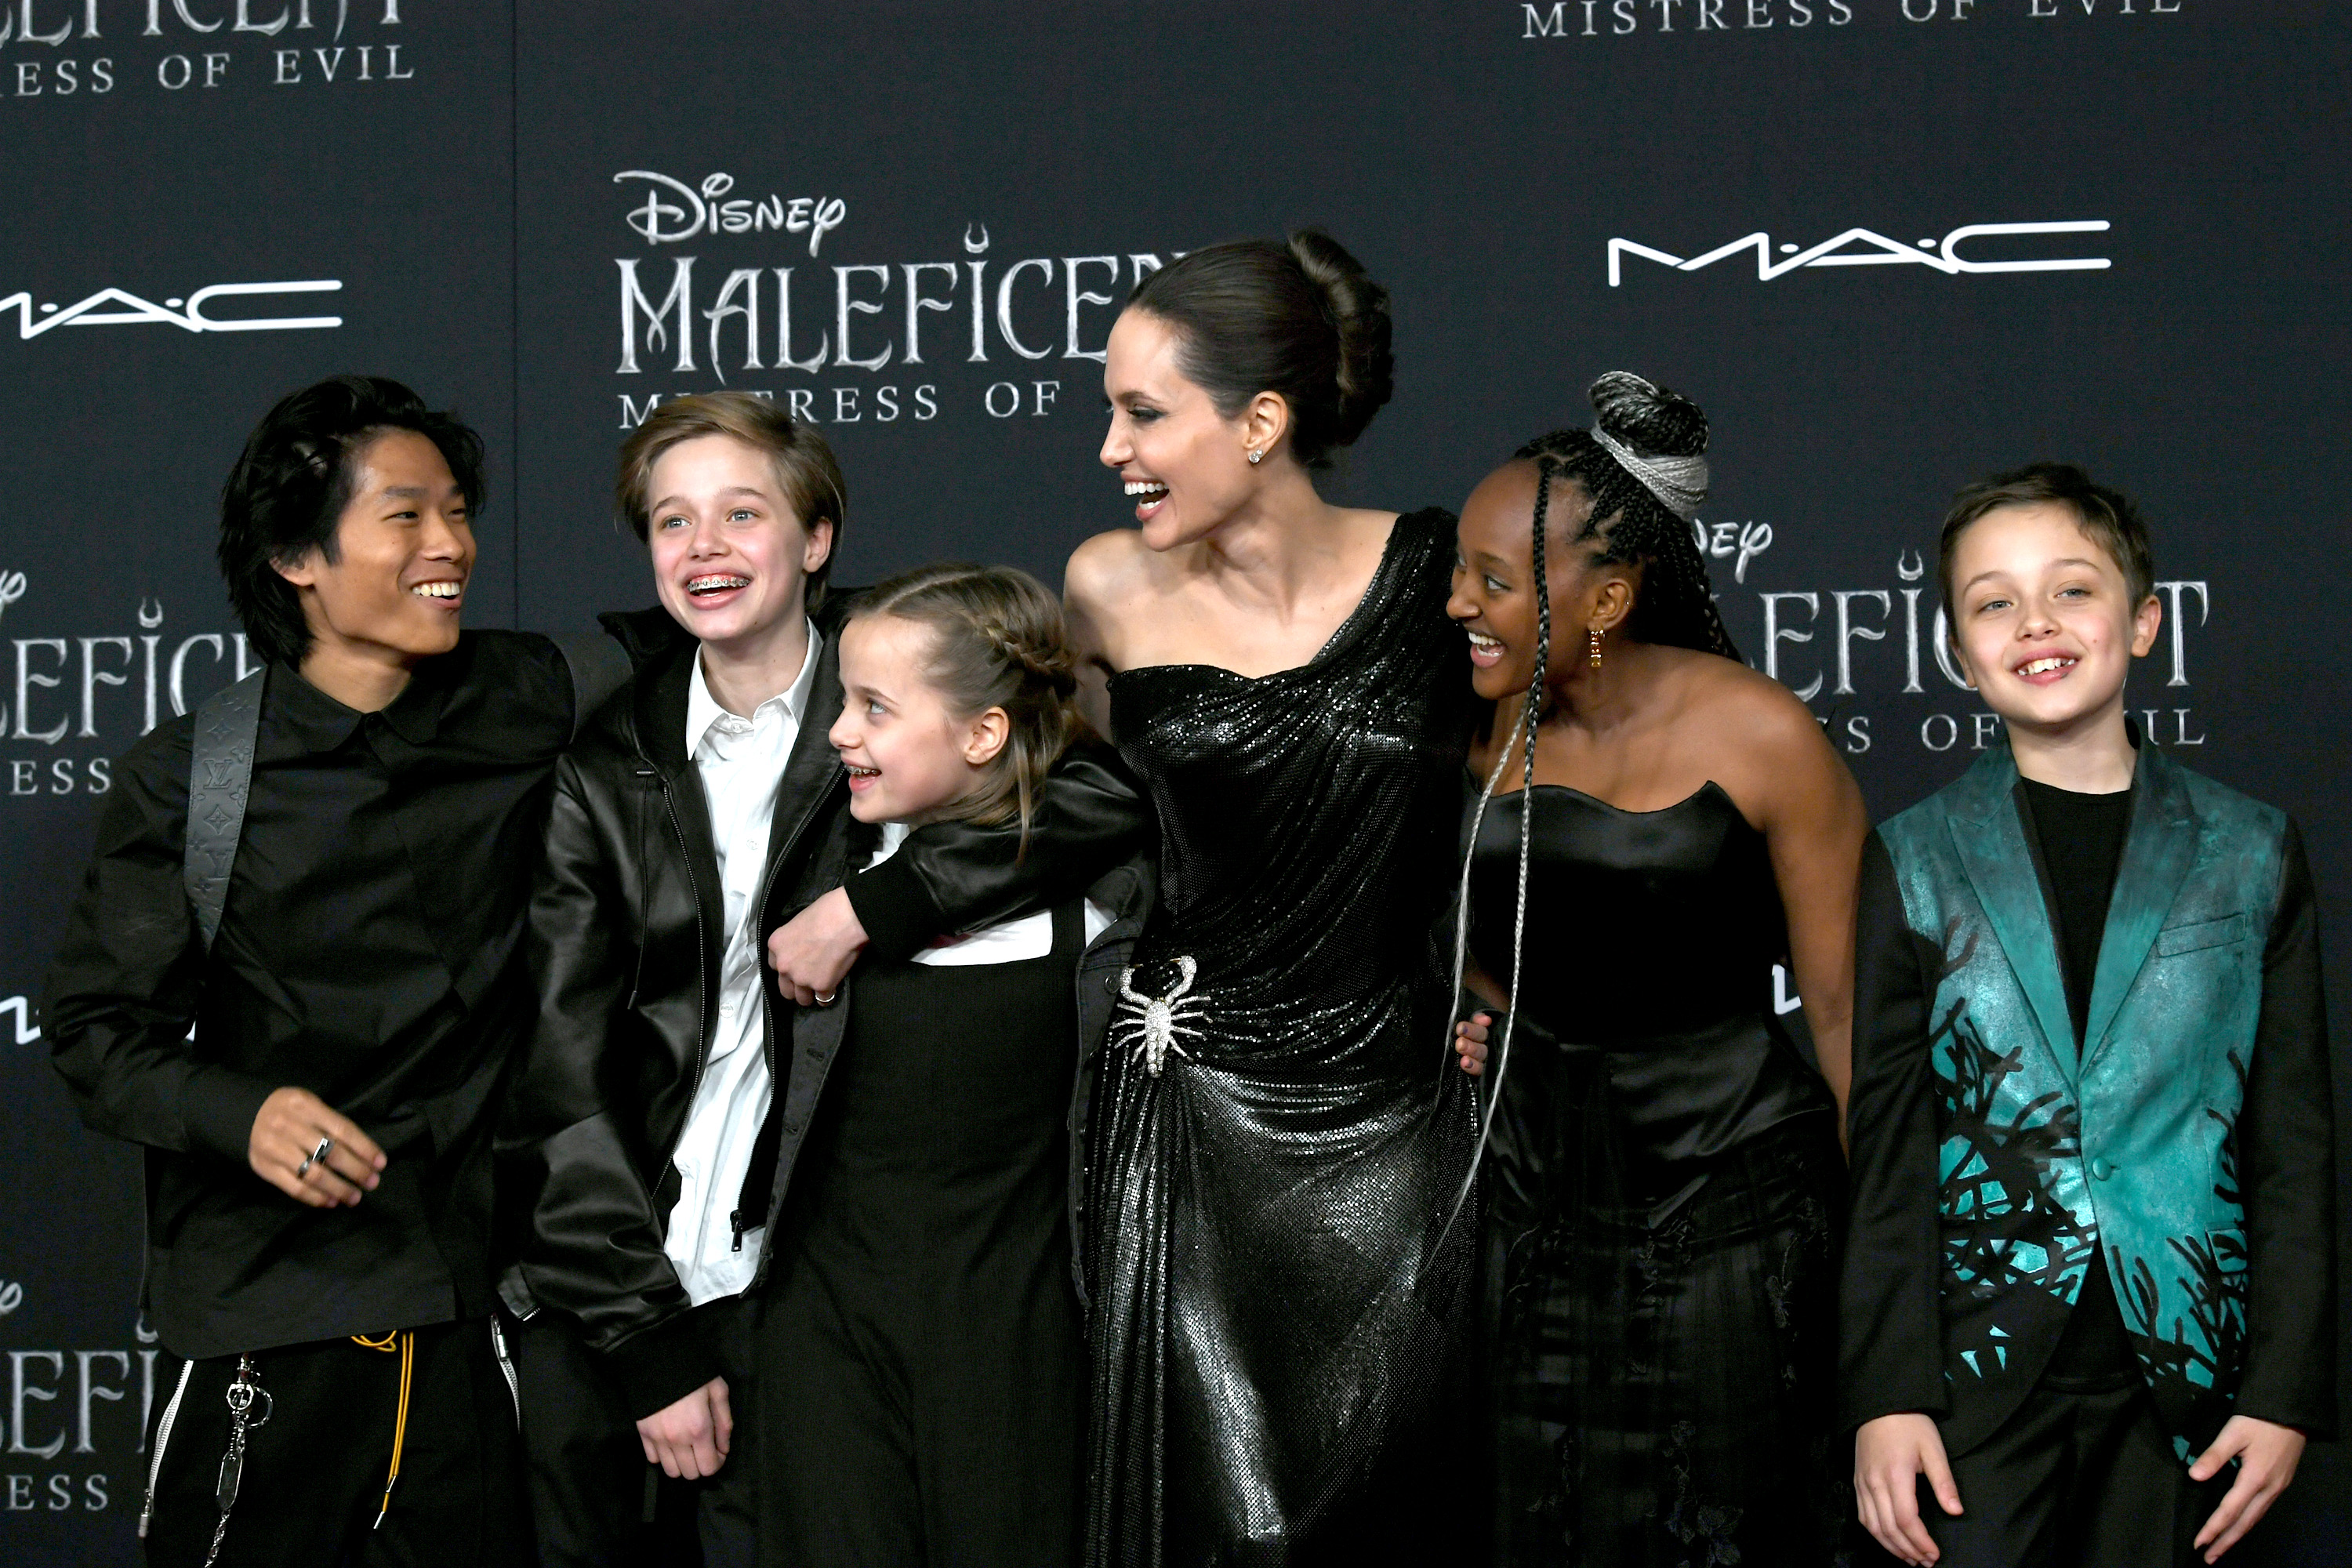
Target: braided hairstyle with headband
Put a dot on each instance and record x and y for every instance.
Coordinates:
(1643, 466)
(998, 640)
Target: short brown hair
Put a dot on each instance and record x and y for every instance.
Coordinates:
(999, 639)
(804, 462)
(2108, 516)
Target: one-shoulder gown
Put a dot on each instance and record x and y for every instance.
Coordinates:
(1665, 1195)
(1278, 1332)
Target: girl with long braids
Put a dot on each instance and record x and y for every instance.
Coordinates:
(1659, 826)
(1277, 1316)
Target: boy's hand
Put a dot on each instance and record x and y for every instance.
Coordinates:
(689, 1440)
(1470, 1042)
(813, 952)
(2267, 1454)
(1890, 1455)
(283, 1149)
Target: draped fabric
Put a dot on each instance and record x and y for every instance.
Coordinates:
(1278, 1327)
(1665, 1198)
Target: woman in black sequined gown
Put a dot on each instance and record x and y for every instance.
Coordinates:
(1664, 1182)
(1278, 1334)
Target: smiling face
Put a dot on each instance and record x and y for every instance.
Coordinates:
(2043, 623)
(1494, 598)
(403, 549)
(730, 555)
(911, 759)
(1186, 466)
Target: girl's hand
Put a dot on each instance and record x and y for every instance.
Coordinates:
(1470, 1042)
(2267, 1454)
(811, 952)
(689, 1440)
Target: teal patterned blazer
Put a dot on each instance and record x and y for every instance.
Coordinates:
(2045, 1148)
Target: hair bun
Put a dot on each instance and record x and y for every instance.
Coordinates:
(1358, 311)
(1647, 418)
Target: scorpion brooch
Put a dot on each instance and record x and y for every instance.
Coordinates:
(1160, 1021)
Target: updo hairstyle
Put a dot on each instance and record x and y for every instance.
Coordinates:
(998, 640)
(1675, 604)
(1304, 321)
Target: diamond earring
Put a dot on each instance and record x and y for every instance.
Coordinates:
(1255, 454)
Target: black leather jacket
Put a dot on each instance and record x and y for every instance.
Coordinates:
(626, 941)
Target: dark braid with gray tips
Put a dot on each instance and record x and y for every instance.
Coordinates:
(1674, 605)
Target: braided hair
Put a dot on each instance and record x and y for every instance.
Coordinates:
(1674, 606)
(998, 640)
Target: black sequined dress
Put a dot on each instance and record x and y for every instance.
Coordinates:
(1665, 1199)
(1276, 1329)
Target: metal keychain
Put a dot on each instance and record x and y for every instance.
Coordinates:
(244, 1390)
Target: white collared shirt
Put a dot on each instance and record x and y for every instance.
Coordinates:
(740, 762)
(1007, 942)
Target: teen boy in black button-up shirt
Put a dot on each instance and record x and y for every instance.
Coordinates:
(317, 1165)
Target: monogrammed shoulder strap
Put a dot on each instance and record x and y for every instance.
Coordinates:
(220, 772)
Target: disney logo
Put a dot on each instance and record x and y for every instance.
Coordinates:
(675, 211)
(1724, 540)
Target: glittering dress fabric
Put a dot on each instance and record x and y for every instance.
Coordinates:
(1279, 1333)
(1665, 1197)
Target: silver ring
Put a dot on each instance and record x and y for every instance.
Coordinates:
(316, 1154)
(825, 999)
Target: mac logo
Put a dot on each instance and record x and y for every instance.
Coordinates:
(1876, 250)
(116, 307)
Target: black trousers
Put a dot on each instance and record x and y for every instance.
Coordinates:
(2074, 1479)
(595, 1501)
(315, 1469)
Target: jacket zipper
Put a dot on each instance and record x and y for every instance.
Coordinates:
(506, 1367)
(164, 1441)
(767, 995)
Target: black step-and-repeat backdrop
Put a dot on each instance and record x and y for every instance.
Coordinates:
(1888, 245)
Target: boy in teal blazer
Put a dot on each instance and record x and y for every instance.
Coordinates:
(2089, 1284)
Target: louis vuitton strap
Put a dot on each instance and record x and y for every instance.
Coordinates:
(220, 770)
(220, 773)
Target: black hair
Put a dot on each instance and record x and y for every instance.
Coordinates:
(291, 483)
(1676, 602)
(2108, 516)
(1302, 319)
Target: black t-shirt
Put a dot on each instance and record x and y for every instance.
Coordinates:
(2081, 840)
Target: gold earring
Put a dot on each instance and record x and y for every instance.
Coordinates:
(1595, 634)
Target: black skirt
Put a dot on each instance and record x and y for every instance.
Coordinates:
(1664, 1365)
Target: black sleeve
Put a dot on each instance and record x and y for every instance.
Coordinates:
(1890, 1350)
(124, 986)
(954, 876)
(2286, 1167)
(596, 1244)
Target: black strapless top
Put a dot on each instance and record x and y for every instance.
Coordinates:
(1650, 937)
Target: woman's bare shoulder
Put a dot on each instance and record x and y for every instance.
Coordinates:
(1109, 570)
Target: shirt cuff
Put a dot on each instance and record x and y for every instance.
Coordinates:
(896, 910)
(661, 1366)
(218, 1108)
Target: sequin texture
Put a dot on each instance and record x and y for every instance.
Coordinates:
(1278, 1327)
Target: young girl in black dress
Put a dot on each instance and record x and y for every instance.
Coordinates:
(923, 1334)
